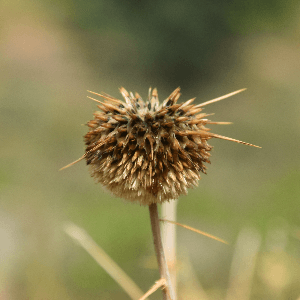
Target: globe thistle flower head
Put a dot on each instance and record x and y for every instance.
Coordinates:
(149, 152)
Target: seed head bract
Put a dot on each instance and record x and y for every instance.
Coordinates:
(149, 152)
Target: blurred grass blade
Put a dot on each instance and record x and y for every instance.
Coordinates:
(154, 288)
(189, 285)
(243, 265)
(81, 236)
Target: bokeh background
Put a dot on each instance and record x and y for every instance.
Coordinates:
(51, 52)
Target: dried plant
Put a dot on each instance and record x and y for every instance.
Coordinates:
(149, 153)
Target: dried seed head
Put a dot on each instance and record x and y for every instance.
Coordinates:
(149, 152)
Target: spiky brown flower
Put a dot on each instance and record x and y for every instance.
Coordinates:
(149, 152)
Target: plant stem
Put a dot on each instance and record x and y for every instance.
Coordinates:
(160, 255)
(168, 232)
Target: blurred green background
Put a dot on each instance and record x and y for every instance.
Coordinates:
(51, 52)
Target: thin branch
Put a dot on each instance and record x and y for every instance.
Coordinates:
(126, 283)
(160, 255)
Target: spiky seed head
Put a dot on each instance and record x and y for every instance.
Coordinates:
(148, 152)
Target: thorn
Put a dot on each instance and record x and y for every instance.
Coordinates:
(195, 230)
(220, 98)
(88, 152)
(94, 99)
(232, 140)
(188, 102)
(149, 93)
(160, 283)
(125, 95)
(219, 123)
(73, 163)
